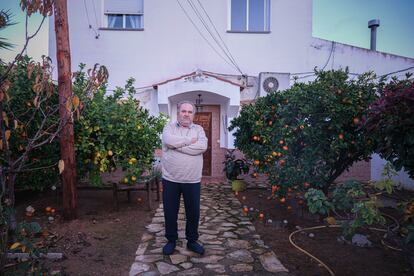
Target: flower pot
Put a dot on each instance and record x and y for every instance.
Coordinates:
(238, 185)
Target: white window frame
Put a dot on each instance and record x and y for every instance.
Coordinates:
(266, 18)
(107, 14)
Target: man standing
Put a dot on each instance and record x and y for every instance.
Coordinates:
(183, 145)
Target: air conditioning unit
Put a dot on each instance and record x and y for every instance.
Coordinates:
(272, 82)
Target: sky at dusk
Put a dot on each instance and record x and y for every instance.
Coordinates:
(344, 21)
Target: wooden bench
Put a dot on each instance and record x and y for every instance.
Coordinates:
(147, 184)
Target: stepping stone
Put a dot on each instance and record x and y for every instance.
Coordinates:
(210, 232)
(165, 268)
(229, 235)
(190, 272)
(204, 237)
(187, 265)
(178, 258)
(241, 268)
(141, 248)
(212, 259)
(238, 244)
(242, 255)
(157, 219)
(218, 268)
(153, 228)
(271, 263)
(149, 258)
(137, 268)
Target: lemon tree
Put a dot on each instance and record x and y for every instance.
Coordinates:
(114, 132)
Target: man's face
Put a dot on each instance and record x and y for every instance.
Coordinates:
(185, 115)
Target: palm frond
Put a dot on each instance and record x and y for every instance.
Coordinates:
(5, 21)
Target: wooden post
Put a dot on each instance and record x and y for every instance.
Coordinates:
(67, 141)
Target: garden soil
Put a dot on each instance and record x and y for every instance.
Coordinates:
(101, 241)
(325, 244)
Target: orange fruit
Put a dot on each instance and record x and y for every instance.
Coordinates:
(48, 209)
(356, 120)
(256, 162)
(274, 153)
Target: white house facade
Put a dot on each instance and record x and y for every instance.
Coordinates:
(223, 52)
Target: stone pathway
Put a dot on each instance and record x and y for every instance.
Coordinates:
(229, 238)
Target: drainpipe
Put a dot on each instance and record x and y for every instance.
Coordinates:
(373, 25)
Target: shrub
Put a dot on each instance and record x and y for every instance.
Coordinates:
(30, 116)
(390, 120)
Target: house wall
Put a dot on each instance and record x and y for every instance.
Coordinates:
(170, 46)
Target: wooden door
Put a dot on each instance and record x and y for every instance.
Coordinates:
(204, 119)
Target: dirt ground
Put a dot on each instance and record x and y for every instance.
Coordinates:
(101, 241)
(342, 258)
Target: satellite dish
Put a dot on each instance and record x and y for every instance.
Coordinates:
(270, 84)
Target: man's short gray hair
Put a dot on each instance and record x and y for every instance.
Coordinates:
(186, 102)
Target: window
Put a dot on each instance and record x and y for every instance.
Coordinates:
(124, 14)
(249, 15)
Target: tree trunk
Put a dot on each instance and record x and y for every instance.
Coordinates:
(67, 145)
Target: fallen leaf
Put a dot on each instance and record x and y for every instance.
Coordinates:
(61, 166)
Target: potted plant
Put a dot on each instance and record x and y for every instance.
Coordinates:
(234, 168)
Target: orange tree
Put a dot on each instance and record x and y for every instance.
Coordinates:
(113, 132)
(306, 136)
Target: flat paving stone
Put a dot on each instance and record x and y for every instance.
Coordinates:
(232, 246)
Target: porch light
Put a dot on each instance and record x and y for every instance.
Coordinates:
(199, 107)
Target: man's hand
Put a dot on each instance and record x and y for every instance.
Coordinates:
(194, 140)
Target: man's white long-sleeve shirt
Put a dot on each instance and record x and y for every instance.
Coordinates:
(182, 161)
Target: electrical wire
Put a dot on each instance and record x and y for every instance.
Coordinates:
(330, 54)
(395, 72)
(218, 33)
(89, 21)
(96, 17)
(201, 34)
(203, 22)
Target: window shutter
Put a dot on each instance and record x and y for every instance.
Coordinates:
(124, 6)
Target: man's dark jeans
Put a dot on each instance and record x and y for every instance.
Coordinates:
(171, 195)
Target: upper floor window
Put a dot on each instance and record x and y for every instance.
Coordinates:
(250, 15)
(124, 14)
